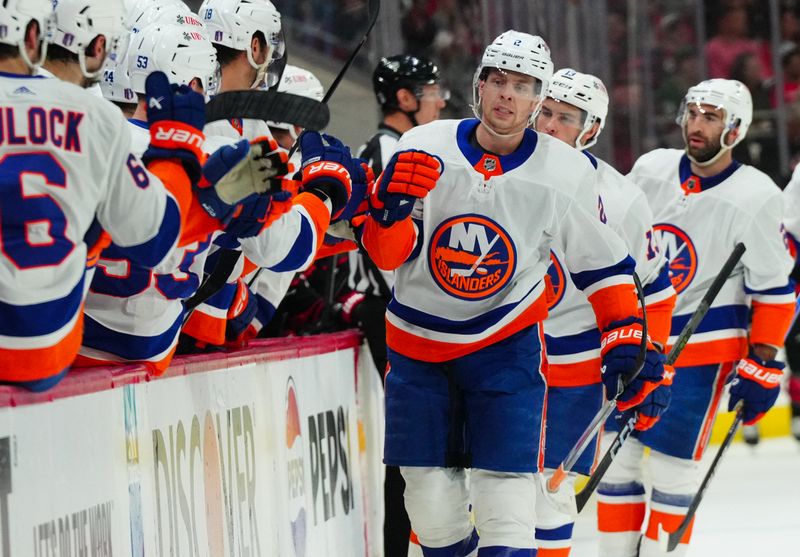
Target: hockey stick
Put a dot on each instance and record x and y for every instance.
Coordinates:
(219, 275)
(670, 540)
(582, 497)
(600, 418)
(269, 105)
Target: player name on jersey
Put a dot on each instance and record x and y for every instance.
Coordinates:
(37, 126)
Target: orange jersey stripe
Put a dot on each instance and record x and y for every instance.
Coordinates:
(327, 250)
(659, 320)
(389, 247)
(770, 323)
(549, 552)
(622, 517)
(248, 267)
(155, 368)
(205, 328)
(39, 363)
(575, 374)
(712, 352)
(319, 213)
(613, 303)
(670, 522)
(196, 223)
(429, 350)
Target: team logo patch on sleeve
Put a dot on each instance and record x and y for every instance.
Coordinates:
(556, 274)
(680, 251)
(471, 257)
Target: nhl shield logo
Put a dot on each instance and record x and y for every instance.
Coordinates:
(490, 164)
(681, 253)
(471, 257)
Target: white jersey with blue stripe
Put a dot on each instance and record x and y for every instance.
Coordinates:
(700, 220)
(68, 171)
(571, 328)
(486, 230)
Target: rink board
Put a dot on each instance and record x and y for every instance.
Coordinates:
(261, 453)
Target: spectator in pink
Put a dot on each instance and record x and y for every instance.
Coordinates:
(730, 42)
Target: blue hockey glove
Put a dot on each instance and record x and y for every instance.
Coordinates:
(363, 179)
(758, 383)
(257, 212)
(409, 176)
(176, 116)
(619, 349)
(326, 169)
(656, 403)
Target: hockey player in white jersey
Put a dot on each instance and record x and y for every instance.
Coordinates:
(575, 112)
(704, 203)
(134, 313)
(246, 35)
(69, 175)
(269, 287)
(467, 212)
(791, 222)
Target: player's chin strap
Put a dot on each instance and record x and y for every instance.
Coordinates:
(722, 149)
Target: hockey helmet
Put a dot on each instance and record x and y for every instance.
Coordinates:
(297, 81)
(517, 52)
(79, 22)
(147, 12)
(116, 83)
(402, 72)
(729, 95)
(232, 23)
(14, 18)
(583, 91)
(181, 52)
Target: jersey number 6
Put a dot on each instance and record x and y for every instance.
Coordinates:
(32, 224)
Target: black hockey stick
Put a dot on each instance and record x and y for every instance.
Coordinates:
(629, 419)
(670, 540)
(269, 105)
(219, 275)
(558, 477)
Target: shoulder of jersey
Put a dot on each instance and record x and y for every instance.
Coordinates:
(563, 163)
(438, 132)
(756, 184)
(659, 161)
(70, 94)
(614, 181)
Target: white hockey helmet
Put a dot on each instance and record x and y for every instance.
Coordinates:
(181, 52)
(78, 22)
(15, 15)
(116, 83)
(147, 12)
(729, 95)
(297, 81)
(232, 23)
(517, 52)
(583, 91)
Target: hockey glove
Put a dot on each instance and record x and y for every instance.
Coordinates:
(238, 327)
(233, 173)
(176, 116)
(758, 383)
(326, 170)
(656, 403)
(257, 212)
(619, 350)
(409, 176)
(363, 179)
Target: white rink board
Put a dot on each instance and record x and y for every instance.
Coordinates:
(206, 462)
(63, 481)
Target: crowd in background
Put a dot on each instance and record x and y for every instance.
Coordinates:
(738, 46)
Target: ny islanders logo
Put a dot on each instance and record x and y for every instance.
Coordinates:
(681, 254)
(471, 257)
(556, 275)
(295, 471)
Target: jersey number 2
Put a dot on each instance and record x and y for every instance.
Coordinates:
(32, 224)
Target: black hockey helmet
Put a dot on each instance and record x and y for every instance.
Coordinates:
(402, 72)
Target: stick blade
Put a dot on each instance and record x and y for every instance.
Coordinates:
(269, 105)
(667, 541)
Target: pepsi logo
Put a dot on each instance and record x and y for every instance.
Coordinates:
(681, 253)
(295, 472)
(471, 257)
